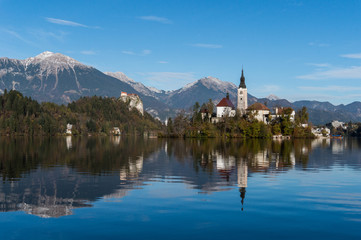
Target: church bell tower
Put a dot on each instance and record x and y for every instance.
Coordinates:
(242, 95)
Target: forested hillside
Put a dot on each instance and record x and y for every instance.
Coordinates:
(21, 115)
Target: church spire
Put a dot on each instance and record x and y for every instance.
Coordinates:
(243, 81)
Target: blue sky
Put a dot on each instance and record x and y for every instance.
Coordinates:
(293, 49)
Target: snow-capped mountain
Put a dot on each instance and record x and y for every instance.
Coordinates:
(58, 78)
(147, 91)
(272, 97)
(201, 91)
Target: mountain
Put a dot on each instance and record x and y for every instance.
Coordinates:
(323, 112)
(320, 112)
(273, 97)
(58, 78)
(153, 92)
(201, 91)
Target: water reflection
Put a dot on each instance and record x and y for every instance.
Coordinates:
(52, 177)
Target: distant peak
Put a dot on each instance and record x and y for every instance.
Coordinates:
(45, 54)
(50, 60)
(273, 97)
(210, 79)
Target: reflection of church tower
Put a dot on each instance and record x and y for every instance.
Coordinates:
(225, 165)
(242, 95)
(242, 179)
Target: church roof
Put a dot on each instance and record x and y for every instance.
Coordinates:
(225, 102)
(242, 83)
(258, 107)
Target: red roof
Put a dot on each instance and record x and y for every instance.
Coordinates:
(258, 107)
(225, 102)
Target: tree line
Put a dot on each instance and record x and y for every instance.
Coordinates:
(199, 124)
(21, 115)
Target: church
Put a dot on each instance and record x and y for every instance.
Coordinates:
(225, 107)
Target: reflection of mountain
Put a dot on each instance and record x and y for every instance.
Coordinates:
(52, 178)
(51, 193)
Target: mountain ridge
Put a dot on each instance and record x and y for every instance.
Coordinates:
(58, 78)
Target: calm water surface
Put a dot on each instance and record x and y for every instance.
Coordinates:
(134, 188)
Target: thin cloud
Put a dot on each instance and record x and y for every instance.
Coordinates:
(162, 62)
(352, 55)
(206, 45)
(332, 88)
(172, 80)
(353, 72)
(320, 65)
(65, 22)
(145, 52)
(128, 52)
(88, 52)
(45, 35)
(315, 44)
(267, 89)
(156, 19)
(16, 35)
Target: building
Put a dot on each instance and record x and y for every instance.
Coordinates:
(68, 129)
(321, 132)
(260, 112)
(337, 124)
(225, 108)
(242, 100)
(206, 115)
(284, 111)
(116, 131)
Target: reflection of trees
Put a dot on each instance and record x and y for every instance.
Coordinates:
(91, 155)
(50, 177)
(261, 154)
(43, 177)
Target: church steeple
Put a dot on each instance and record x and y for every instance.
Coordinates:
(242, 84)
(242, 98)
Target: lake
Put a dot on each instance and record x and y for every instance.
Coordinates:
(135, 188)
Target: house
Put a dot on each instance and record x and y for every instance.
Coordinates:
(115, 131)
(284, 111)
(225, 108)
(68, 129)
(206, 115)
(337, 124)
(259, 111)
(321, 132)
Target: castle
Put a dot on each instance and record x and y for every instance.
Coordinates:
(133, 100)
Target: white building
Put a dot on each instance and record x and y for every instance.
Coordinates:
(225, 108)
(260, 112)
(337, 124)
(116, 131)
(285, 111)
(68, 129)
(321, 132)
